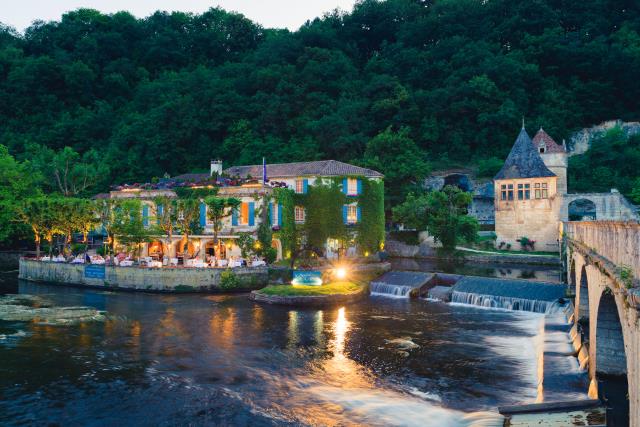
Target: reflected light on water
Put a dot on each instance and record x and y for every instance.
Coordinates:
(293, 334)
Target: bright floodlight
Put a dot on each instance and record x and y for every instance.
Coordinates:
(341, 273)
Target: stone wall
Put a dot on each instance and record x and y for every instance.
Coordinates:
(143, 279)
(611, 206)
(617, 241)
(536, 219)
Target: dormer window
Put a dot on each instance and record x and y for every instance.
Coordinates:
(542, 148)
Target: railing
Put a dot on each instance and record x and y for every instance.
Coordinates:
(617, 241)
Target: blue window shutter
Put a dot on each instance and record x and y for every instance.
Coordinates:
(359, 212)
(344, 186)
(359, 187)
(305, 185)
(279, 215)
(159, 213)
(270, 213)
(344, 213)
(145, 215)
(234, 217)
(252, 211)
(203, 215)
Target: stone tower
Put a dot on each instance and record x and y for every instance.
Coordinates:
(527, 199)
(554, 156)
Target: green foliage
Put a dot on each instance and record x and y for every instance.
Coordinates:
(17, 183)
(442, 213)
(398, 157)
(128, 224)
(613, 161)
(489, 167)
(371, 232)
(229, 280)
(246, 243)
(264, 232)
(288, 234)
(220, 208)
(334, 288)
(270, 254)
(323, 205)
(157, 95)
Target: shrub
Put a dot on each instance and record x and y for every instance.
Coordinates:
(270, 254)
(229, 280)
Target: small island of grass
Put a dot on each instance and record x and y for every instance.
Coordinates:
(333, 288)
(338, 292)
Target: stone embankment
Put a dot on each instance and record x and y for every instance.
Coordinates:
(141, 279)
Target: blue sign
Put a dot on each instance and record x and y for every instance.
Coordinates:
(307, 277)
(93, 271)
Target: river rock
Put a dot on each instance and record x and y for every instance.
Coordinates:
(28, 308)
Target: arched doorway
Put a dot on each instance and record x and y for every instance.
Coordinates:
(186, 249)
(582, 210)
(275, 243)
(213, 249)
(458, 180)
(156, 250)
(611, 361)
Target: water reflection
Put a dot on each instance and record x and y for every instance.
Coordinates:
(224, 360)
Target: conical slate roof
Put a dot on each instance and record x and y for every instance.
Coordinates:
(523, 161)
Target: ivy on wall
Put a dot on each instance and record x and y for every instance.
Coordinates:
(323, 204)
(287, 234)
(370, 237)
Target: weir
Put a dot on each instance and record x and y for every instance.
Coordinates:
(401, 284)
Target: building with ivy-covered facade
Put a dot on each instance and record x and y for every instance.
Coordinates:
(334, 208)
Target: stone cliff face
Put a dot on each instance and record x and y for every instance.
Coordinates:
(580, 141)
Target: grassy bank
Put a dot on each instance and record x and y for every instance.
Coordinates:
(333, 288)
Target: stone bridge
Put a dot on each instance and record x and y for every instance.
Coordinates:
(603, 266)
(611, 206)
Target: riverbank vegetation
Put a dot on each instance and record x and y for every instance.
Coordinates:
(402, 86)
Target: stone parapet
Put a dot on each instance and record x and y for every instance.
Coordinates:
(141, 279)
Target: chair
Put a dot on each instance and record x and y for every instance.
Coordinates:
(173, 262)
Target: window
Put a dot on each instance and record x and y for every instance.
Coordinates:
(352, 187)
(244, 213)
(510, 192)
(274, 214)
(527, 191)
(299, 186)
(299, 214)
(503, 192)
(352, 214)
(545, 193)
(520, 192)
(536, 188)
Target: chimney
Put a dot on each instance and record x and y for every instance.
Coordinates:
(216, 167)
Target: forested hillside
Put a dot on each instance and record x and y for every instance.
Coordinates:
(396, 85)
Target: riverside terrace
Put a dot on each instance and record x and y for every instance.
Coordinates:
(341, 202)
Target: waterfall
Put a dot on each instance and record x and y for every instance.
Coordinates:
(508, 303)
(389, 290)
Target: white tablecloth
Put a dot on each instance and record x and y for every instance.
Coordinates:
(154, 264)
(257, 263)
(126, 263)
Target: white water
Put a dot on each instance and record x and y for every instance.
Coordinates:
(507, 303)
(388, 290)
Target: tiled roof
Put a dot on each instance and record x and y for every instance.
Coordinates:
(100, 196)
(317, 168)
(192, 177)
(523, 161)
(550, 145)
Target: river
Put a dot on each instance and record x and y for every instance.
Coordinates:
(224, 360)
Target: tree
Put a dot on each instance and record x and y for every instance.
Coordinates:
(165, 216)
(17, 183)
(219, 208)
(129, 227)
(66, 170)
(246, 243)
(399, 159)
(442, 213)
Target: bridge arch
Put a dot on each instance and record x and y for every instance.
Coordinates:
(582, 209)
